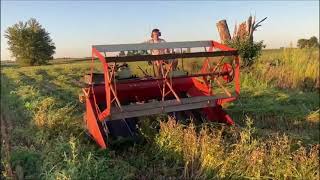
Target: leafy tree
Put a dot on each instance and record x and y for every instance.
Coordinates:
(30, 43)
(248, 50)
(313, 42)
(302, 43)
(308, 43)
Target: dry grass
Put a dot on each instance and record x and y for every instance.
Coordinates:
(290, 68)
(210, 153)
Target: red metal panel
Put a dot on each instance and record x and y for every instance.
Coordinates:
(212, 113)
(237, 75)
(221, 46)
(106, 112)
(218, 114)
(92, 125)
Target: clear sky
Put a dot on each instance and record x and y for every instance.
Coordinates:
(76, 25)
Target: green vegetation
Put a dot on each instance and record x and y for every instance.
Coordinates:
(308, 43)
(276, 136)
(289, 68)
(29, 43)
(249, 50)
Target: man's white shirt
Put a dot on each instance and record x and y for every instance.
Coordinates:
(157, 51)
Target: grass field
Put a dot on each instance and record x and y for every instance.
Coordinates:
(276, 136)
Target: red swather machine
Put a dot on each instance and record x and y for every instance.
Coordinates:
(113, 103)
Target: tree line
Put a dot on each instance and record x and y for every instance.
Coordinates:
(30, 44)
(308, 43)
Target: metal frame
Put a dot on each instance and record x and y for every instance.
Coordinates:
(201, 94)
(149, 46)
(171, 56)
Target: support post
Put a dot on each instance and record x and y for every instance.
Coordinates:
(223, 31)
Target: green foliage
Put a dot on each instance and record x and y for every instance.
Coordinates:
(30, 43)
(132, 53)
(29, 160)
(249, 51)
(135, 52)
(42, 103)
(308, 43)
(143, 52)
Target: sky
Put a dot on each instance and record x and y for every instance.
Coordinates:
(75, 26)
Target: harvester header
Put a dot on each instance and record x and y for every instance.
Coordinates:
(116, 98)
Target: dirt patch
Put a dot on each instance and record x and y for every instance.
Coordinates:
(5, 144)
(7, 169)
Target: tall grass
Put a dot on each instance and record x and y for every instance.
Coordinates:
(289, 68)
(48, 139)
(232, 154)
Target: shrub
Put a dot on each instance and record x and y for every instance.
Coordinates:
(249, 51)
